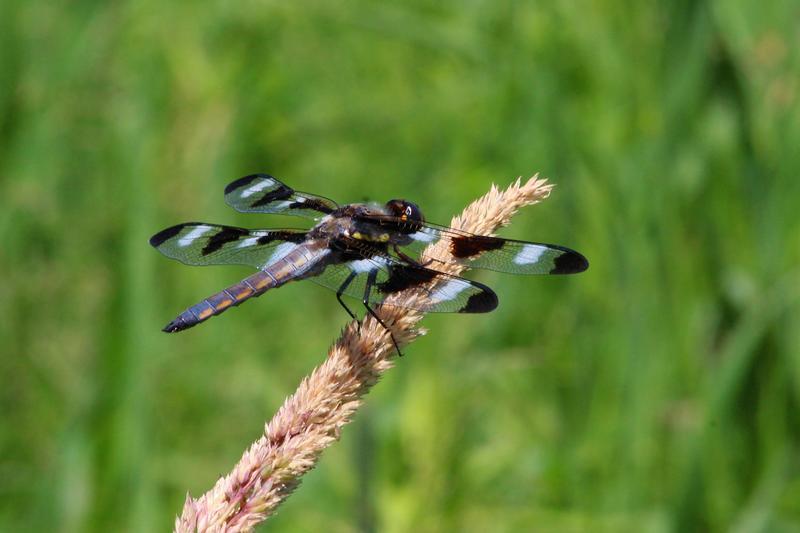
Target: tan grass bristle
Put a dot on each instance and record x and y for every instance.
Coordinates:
(311, 419)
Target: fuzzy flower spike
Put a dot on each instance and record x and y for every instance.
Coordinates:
(311, 419)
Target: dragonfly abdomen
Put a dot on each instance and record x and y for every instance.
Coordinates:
(252, 286)
(289, 267)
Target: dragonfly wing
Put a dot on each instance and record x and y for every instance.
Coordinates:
(262, 193)
(439, 292)
(490, 253)
(515, 257)
(201, 244)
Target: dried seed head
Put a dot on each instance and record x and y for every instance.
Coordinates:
(311, 419)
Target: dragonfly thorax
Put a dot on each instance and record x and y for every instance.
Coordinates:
(364, 223)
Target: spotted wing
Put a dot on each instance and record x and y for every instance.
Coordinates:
(379, 277)
(262, 193)
(197, 243)
(490, 253)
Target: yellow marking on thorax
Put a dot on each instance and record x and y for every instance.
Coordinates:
(383, 237)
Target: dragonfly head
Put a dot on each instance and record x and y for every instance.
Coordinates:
(405, 211)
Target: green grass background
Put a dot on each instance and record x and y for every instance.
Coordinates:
(657, 392)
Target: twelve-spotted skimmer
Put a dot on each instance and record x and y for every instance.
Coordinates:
(365, 251)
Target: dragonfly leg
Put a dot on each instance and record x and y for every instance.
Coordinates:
(405, 257)
(370, 282)
(339, 293)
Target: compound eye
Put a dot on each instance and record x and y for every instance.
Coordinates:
(414, 213)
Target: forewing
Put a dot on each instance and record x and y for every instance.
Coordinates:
(262, 193)
(490, 253)
(515, 257)
(198, 243)
(439, 292)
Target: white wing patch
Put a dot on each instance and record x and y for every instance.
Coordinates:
(530, 253)
(450, 290)
(250, 241)
(258, 187)
(193, 235)
(365, 265)
(279, 206)
(422, 236)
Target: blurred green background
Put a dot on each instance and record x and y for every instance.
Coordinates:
(659, 391)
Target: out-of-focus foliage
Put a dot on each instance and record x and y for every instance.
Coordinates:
(659, 391)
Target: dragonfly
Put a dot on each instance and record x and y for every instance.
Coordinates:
(361, 250)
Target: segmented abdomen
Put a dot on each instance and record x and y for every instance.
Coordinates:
(252, 286)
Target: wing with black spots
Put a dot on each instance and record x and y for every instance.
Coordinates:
(379, 277)
(262, 193)
(198, 243)
(480, 251)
